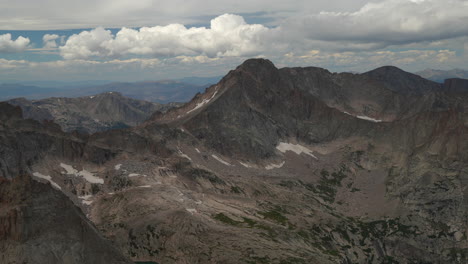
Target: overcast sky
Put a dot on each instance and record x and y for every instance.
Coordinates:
(149, 40)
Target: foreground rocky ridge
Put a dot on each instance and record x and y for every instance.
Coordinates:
(40, 225)
(294, 165)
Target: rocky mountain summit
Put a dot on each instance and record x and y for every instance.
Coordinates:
(90, 114)
(292, 165)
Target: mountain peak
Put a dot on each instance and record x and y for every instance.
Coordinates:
(257, 64)
(387, 70)
(401, 81)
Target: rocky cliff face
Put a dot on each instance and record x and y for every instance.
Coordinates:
(294, 165)
(40, 225)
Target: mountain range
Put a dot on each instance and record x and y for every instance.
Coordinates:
(291, 165)
(164, 91)
(90, 114)
(441, 75)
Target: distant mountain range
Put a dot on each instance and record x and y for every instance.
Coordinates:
(163, 91)
(441, 75)
(90, 114)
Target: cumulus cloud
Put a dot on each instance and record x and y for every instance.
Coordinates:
(386, 23)
(372, 27)
(50, 41)
(228, 35)
(357, 35)
(7, 44)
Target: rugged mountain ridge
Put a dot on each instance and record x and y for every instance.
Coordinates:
(91, 113)
(293, 165)
(257, 104)
(164, 91)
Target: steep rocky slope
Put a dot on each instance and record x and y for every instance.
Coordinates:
(91, 113)
(293, 165)
(40, 225)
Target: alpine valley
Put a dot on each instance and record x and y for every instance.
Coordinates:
(291, 165)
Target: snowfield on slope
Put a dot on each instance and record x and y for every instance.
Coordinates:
(47, 178)
(88, 176)
(369, 119)
(274, 166)
(365, 118)
(296, 148)
(203, 102)
(221, 160)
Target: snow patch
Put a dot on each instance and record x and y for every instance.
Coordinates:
(136, 175)
(144, 186)
(88, 176)
(202, 103)
(245, 164)
(364, 117)
(274, 166)
(197, 150)
(369, 119)
(47, 178)
(296, 148)
(118, 166)
(191, 210)
(221, 160)
(68, 168)
(183, 155)
(198, 202)
(86, 199)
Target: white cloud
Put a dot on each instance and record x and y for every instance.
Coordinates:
(50, 41)
(182, 66)
(7, 44)
(367, 60)
(229, 35)
(339, 35)
(59, 14)
(387, 22)
(372, 27)
(12, 64)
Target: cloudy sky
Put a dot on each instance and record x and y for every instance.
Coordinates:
(122, 40)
